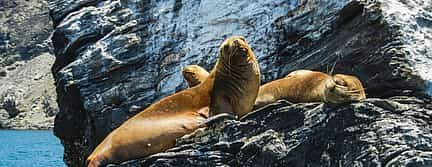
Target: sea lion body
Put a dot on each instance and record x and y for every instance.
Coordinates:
(311, 86)
(156, 128)
(237, 78)
(298, 86)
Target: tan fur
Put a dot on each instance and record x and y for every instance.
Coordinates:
(237, 78)
(309, 86)
(157, 127)
(194, 74)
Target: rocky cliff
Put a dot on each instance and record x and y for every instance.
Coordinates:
(115, 57)
(27, 91)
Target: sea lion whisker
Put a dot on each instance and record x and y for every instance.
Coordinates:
(229, 59)
(333, 67)
(340, 86)
(356, 90)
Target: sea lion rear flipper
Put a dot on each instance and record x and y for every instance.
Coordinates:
(95, 162)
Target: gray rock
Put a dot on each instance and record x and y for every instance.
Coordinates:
(25, 29)
(115, 57)
(25, 65)
(28, 97)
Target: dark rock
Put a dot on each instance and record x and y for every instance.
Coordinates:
(376, 132)
(114, 58)
(3, 73)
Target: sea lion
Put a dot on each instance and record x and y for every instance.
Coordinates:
(311, 86)
(237, 79)
(157, 127)
(194, 74)
(307, 86)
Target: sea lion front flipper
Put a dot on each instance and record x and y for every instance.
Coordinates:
(217, 118)
(220, 103)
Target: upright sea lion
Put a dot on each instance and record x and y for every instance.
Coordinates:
(237, 78)
(194, 74)
(308, 86)
(156, 128)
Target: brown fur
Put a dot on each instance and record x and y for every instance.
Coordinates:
(157, 127)
(307, 86)
(311, 86)
(237, 79)
(194, 74)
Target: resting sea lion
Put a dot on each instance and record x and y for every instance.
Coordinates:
(194, 74)
(237, 79)
(311, 86)
(307, 86)
(156, 128)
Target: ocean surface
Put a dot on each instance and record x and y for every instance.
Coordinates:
(25, 148)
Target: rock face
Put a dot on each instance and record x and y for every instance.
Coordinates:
(115, 57)
(28, 95)
(27, 91)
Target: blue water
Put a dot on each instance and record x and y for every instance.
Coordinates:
(20, 148)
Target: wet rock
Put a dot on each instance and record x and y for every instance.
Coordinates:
(114, 58)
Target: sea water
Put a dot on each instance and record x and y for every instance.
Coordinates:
(26, 148)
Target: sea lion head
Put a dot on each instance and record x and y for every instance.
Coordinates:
(194, 74)
(236, 51)
(343, 88)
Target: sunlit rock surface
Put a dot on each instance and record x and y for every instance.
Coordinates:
(27, 90)
(114, 58)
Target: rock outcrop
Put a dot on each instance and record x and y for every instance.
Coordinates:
(115, 57)
(376, 132)
(27, 90)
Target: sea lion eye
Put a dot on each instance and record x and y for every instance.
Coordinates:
(226, 47)
(243, 39)
(332, 89)
(340, 82)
